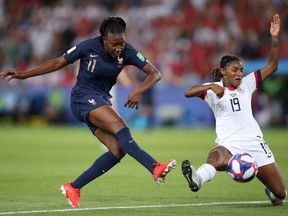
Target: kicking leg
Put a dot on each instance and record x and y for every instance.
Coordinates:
(106, 118)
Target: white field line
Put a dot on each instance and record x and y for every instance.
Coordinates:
(134, 207)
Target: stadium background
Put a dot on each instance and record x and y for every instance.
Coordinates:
(184, 39)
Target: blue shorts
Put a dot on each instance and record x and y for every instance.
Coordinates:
(82, 105)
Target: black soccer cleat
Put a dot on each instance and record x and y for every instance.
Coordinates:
(191, 176)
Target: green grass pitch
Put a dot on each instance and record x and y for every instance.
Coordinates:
(35, 161)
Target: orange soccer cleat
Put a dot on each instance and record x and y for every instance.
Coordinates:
(161, 170)
(72, 194)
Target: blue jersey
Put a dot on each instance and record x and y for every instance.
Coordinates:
(98, 71)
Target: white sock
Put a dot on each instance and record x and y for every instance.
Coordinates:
(206, 172)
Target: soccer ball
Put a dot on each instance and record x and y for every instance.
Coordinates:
(242, 167)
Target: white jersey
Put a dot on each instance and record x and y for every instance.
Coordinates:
(233, 111)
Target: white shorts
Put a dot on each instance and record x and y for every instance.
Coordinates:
(258, 149)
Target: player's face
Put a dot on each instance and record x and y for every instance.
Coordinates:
(114, 44)
(232, 74)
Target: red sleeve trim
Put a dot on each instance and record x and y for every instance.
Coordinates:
(203, 95)
(258, 78)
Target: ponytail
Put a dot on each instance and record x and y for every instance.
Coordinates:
(217, 73)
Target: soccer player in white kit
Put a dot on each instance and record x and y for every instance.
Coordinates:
(237, 130)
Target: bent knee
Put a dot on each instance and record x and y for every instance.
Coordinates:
(219, 157)
(119, 153)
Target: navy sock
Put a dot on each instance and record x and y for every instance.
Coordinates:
(104, 163)
(130, 147)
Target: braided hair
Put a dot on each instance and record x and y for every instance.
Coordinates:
(112, 25)
(225, 60)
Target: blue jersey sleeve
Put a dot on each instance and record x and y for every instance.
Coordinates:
(75, 52)
(134, 57)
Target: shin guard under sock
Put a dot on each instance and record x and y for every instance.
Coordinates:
(131, 147)
(104, 163)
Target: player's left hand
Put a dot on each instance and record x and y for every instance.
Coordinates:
(133, 100)
(275, 26)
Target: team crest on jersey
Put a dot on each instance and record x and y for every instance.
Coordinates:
(233, 94)
(120, 60)
(240, 90)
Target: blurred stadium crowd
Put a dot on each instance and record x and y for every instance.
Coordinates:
(185, 39)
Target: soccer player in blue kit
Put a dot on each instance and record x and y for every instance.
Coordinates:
(101, 60)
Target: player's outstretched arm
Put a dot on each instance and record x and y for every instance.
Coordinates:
(272, 65)
(47, 67)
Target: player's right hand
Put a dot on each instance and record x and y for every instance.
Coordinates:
(12, 74)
